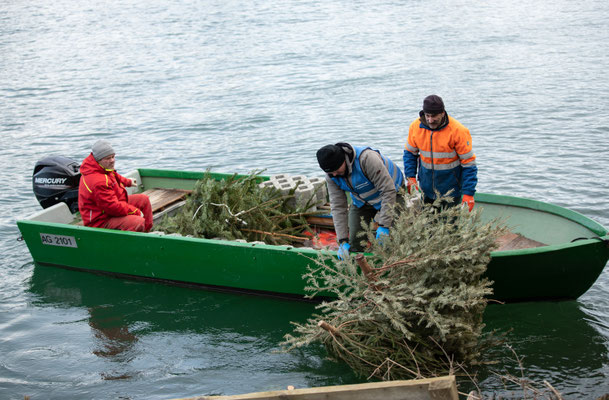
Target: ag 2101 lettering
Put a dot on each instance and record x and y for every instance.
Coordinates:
(58, 240)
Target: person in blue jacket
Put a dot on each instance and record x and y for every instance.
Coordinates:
(373, 181)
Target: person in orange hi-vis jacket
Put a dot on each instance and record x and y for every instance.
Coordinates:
(103, 201)
(439, 153)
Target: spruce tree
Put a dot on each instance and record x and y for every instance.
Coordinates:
(413, 306)
(238, 208)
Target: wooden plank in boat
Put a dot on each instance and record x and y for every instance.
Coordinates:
(513, 241)
(441, 388)
(161, 198)
(321, 221)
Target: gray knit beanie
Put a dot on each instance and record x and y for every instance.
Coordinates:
(102, 149)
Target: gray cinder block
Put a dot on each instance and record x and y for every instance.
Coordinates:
(300, 179)
(266, 184)
(304, 193)
(321, 189)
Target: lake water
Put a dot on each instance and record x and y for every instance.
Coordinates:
(242, 85)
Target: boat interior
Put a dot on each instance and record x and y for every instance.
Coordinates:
(166, 201)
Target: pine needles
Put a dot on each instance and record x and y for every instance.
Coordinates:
(412, 309)
(238, 208)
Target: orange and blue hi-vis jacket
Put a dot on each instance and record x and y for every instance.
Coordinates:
(443, 158)
(102, 194)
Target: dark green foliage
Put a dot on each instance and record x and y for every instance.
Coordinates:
(419, 313)
(237, 208)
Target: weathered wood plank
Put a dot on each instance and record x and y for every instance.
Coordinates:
(512, 241)
(321, 221)
(443, 388)
(161, 198)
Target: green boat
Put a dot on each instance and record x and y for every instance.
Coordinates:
(551, 253)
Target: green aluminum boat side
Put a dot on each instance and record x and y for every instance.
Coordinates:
(576, 254)
(561, 270)
(243, 266)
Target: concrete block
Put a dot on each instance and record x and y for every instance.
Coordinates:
(299, 179)
(321, 189)
(277, 181)
(266, 184)
(304, 193)
(286, 187)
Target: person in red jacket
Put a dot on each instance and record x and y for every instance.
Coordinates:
(102, 198)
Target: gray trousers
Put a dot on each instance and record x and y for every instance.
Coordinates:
(355, 225)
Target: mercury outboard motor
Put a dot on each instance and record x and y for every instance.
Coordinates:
(56, 179)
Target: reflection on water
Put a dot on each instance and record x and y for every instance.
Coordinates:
(557, 343)
(556, 339)
(236, 86)
(140, 329)
(152, 306)
(114, 340)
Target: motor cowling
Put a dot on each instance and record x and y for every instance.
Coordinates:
(56, 179)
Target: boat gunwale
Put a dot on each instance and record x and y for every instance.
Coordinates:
(489, 198)
(305, 251)
(154, 235)
(481, 198)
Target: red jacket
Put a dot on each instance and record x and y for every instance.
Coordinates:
(102, 194)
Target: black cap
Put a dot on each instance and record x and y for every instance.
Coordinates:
(433, 104)
(330, 157)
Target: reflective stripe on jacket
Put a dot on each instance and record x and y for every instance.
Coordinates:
(361, 189)
(102, 194)
(443, 158)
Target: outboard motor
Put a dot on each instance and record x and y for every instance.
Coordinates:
(56, 179)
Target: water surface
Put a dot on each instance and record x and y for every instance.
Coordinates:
(238, 86)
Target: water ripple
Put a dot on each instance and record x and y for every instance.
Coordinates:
(262, 85)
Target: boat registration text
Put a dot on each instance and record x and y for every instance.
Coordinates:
(58, 240)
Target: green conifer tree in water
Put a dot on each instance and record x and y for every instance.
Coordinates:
(413, 307)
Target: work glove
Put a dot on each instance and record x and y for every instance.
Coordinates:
(381, 231)
(343, 250)
(411, 185)
(469, 201)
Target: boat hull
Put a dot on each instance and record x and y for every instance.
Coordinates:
(558, 271)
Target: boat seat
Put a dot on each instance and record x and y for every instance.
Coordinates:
(161, 199)
(59, 213)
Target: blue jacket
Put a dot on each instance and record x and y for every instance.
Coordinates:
(361, 189)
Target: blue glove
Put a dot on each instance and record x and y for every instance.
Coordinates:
(380, 232)
(343, 250)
